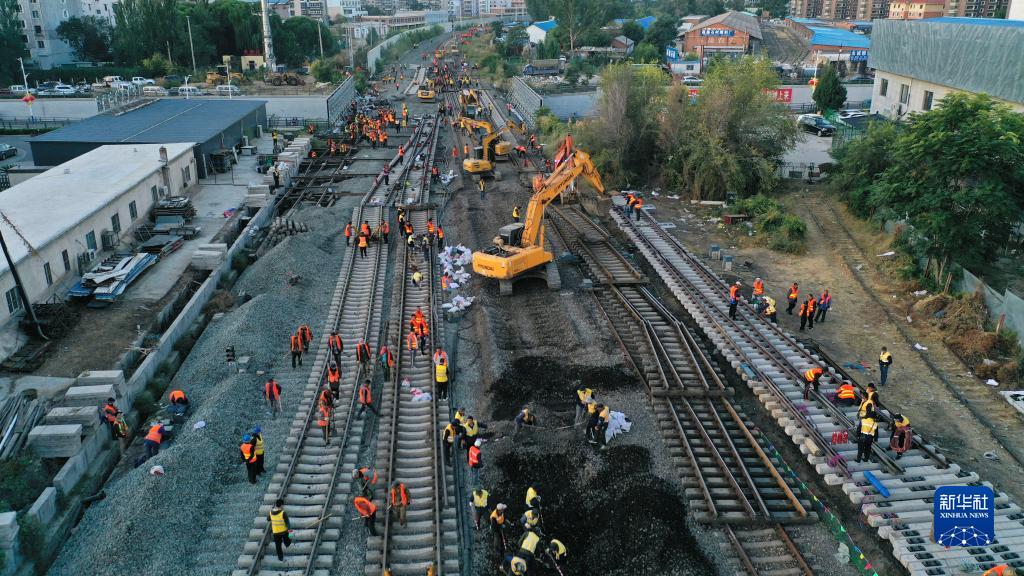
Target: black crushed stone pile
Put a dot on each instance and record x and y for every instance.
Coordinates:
(543, 381)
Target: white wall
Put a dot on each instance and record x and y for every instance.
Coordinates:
(889, 103)
(75, 108)
(73, 241)
(1016, 11)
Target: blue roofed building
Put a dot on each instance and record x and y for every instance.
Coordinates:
(538, 31)
(645, 22)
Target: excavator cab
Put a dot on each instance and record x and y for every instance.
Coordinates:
(511, 234)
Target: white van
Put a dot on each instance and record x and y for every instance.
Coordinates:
(188, 91)
(225, 90)
(154, 91)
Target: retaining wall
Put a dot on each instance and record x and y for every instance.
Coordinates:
(525, 101)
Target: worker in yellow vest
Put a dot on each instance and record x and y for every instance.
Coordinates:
(279, 528)
(441, 378)
(868, 433)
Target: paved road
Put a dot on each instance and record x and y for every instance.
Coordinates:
(24, 157)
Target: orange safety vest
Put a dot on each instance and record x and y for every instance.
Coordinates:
(154, 434)
(389, 357)
(996, 570)
(365, 395)
(362, 241)
(362, 351)
(793, 292)
(444, 281)
(325, 415)
(333, 375)
(758, 287)
(364, 506)
(638, 204)
(430, 227)
(813, 374)
(412, 341)
(334, 341)
(474, 456)
(385, 227)
(810, 305)
(734, 290)
(110, 412)
(364, 228)
(399, 496)
(296, 343)
(248, 452)
(439, 355)
(630, 200)
(845, 392)
(272, 390)
(176, 395)
(306, 333)
(440, 233)
(803, 309)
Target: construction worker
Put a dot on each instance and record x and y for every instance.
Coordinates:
(528, 545)
(248, 449)
(812, 378)
(272, 393)
(334, 378)
(734, 299)
(884, 362)
(479, 502)
(368, 512)
(279, 528)
(364, 228)
(441, 378)
(401, 155)
(470, 431)
(594, 422)
(515, 213)
(475, 461)
(399, 501)
(846, 395)
(363, 353)
(367, 478)
(758, 291)
(179, 403)
(532, 498)
(824, 303)
(326, 409)
(465, 150)
(387, 361)
(480, 185)
(385, 229)
(555, 552)
(364, 243)
(530, 520)
(869, 405)
(791, 297)
(448, 436)
(812, 305)
(1000, 570)
(327, 396)
(524, 418)
(902, 435)
(770, 311)
(498, 528)
(274, 136)
(431, 227)
(412, 342)
(153, 438)
(307, 336)
(805, 312)
(440, 355)
(296, 348)
(348, 233)
(868, 433)
(417, 277)
(425, 244)
(637, 207)
(257, 441)
(584, 396)
(366, 399)
(604, 415)
(110, 412)
(336, 346)
(120, 430)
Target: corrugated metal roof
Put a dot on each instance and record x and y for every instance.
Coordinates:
(736, 20)
(167, 120)
(980, 21)
(955, 52)
(838, 37)
(546, 25)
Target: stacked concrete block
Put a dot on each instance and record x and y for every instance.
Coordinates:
(258, 193)
(209, 256)
(87, 416)
(55, 440)
(93, 395)
(9, 541)
(102, 377)
(45, 507)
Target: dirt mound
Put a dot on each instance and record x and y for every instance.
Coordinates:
(964, 314)
(975, 345)
(927, 307)
(542, 380)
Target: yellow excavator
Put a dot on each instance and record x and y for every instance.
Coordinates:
(469, 101)
(426, 92)
(502, 148)
(482, 163)
(518, 250)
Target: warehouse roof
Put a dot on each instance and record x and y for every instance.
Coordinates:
(838, 37)
(165, 120)
(970, 54)
(546, 25)
(644, 22)
(48, 205)
(736, 20)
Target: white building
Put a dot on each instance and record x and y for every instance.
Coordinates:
(41, 19)
(70, 212)
(538, 31)
(918, 62)
(1016, 10)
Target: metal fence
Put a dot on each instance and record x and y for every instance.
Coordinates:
(34, 123)
(811, 107)
(525, 101)
(798, 170)
(339, 100)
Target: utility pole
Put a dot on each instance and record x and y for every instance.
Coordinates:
(320, 38)
(17, 280)
(169, 61)
(24, 79)
(191, 46)
(268, 42)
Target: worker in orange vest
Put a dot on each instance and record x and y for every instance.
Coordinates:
(153, 438)
(412, 342)
(248, 449)
(366, 399)
(734, 299)
(272, 393)
(179, 402)
(110, 412)
(475, 461)
(336, 346)
(363, 354)
(846, 395)
(367, 478)
(440, 237)
(1000, 570)
(794, 294)
(326, 409)
(455, 153)
(368, 512)
(465, 150)
(807, 312)
(307, 336)
(401, 154)
(334, 378)
(812, 378)
(348, 234)
(637, 207)
(385, 228)
(399, 501)
(363, 244)
(387, 361)
(296, 348)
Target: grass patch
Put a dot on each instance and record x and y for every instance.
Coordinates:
(22, 480)
(780, 231)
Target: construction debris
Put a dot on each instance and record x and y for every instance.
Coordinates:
(18, 414)
(281, 228)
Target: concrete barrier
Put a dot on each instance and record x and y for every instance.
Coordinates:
(45, 507)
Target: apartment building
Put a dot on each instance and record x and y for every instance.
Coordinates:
(41, 19)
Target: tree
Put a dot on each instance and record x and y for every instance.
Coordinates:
(88, 36)
(143, 27)
(859, 163)
(633, 31)
(373, 10)
(776, 8)
(538, 9)
(548, 48)
(661, 33)
(496, 28)
(957, 177)
(736, 5)
(829, 93)
(156, 65)
(296, 40)
(576, 16)
(11, 44)
(732, 137)
(515, 39)
(645, 53)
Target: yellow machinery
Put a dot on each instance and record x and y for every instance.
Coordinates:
(518, 249)
(501, 147)
(220, 76)
(469, 100)
(426, 92)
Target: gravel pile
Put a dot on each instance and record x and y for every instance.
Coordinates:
(195, 519)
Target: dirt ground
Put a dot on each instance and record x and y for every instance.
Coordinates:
(856, 328)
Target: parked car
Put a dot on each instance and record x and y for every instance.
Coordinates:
(140, 81)
(154, 91)
(815, 125)
(189, 91)
(692, 80)
(121, 85)
(7, 151)
(174, 79)
(63, 90)
(225, 90)
(21, 89)
(108, 80)
(845, 114)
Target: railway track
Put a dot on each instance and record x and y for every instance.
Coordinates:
(307, 475)
(729, 479)
(771, 362)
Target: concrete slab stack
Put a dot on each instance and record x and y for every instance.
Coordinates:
(55, 440)
(102, 377)
(209, 256)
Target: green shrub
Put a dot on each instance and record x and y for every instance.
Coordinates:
(32, 536)
(770, 222)
(22, 480)
(145, 404)
(757, 205)
(793, 228)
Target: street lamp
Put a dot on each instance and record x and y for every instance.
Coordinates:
(188, 20)
(24, 79)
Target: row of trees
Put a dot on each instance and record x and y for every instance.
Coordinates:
(730, 137)
(143, 28)
(954, 174)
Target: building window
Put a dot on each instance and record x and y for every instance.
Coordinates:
(153, 192)
(35, 13)
(66, 14)
(115, 223)
(37, 29)
(41, 44)
(67, 260)
(885, 87)
(90, 240)
(188, 173)
(48, 273)
(928, 97)
(133, 211)
(904, 94)
(13, 300)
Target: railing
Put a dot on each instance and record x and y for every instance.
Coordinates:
(34, 123)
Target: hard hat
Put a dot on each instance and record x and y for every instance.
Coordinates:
(478, 443)
(738, 283)
(110, 400)
(247, 438)
(501, 506)
(256, 429)
(355, 473)
(758, 278)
